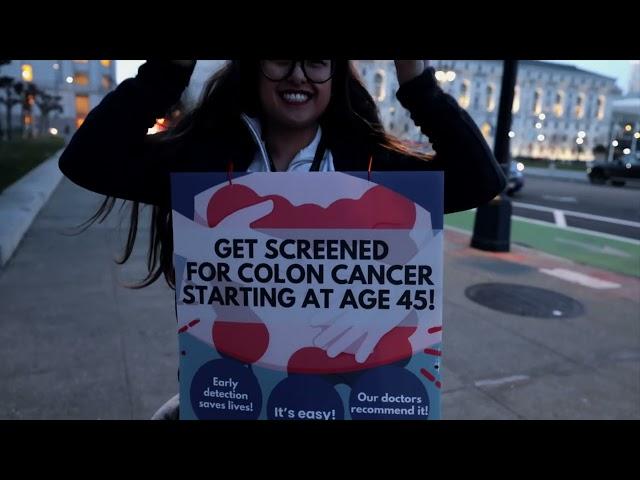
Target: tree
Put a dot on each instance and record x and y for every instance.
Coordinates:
(3, 62)
(12, 96)
(29, 94)
(47, 104)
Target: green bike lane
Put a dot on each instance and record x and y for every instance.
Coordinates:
(606, 252)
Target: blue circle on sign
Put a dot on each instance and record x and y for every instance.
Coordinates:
(304, 397)
(225, 389)
(389, 393)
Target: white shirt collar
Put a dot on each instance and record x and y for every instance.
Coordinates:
(302, 160)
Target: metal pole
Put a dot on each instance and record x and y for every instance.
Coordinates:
(634, 140)
(492, 227)
(507, 91)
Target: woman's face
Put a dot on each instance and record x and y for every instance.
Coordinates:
(294, 102)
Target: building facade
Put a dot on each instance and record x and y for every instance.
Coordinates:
(81, 84)
(560, 112)
(201, 74)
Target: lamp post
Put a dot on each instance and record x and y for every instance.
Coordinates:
(492, 226)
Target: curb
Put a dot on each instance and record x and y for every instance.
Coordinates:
(21, 202)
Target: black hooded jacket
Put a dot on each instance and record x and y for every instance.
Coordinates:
(110, 153)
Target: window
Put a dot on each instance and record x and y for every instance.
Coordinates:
(105, 63)
(27, 73)
(486, 130)
(81, 61)
(601, 105)
(82, 108)
(106, 82)
(80, 79)
(491, 102)
(379, 85)
(558, 106)
(464, 98)
(537, 101)
(579, 109)
(516, 100)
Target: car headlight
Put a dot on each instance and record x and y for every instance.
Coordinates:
(520, 166)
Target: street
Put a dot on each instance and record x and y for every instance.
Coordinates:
(600, 208)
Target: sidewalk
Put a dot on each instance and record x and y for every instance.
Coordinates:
(21, 202)
(77, 345)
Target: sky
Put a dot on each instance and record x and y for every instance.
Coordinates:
(619, 69)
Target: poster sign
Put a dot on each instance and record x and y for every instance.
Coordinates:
(309, 296)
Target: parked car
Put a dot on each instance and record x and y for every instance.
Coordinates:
(618, 172)
(515, 180)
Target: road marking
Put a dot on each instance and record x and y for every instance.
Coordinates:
(490, 382)
(580, 278)
(571, 213)
(558, 216)
(606, 249)
(595, 233)
(632, 241)
(560, 199)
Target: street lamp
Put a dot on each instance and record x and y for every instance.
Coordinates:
(492, 224)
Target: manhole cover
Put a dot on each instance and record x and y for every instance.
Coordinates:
(524, 300)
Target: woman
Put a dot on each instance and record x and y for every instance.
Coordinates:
(270, 115)
(111, 153)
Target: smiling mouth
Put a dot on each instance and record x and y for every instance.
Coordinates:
(295, 97)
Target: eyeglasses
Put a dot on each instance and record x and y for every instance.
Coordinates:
(316, 71)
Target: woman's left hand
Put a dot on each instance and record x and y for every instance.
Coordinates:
(409, 69)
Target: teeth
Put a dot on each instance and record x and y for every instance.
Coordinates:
(295, 97)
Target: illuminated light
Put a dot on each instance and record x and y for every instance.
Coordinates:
(520, 166)
(105, 63)
(451, 76)
(512, 134)
(440, 75)
(628, 165)
(627, 128)
(626, 151)
(579, 141)
(56, 66)
(69, 79)
(636, 135)
(538, 125)
(27, 73)
(614, 143)
(581, 134)
(53, 131)
(542, 116)
(540, 138)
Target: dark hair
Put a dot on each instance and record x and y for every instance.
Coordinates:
(351, 119)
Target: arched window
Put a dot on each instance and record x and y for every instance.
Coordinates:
(491, 102)
(379, 85)
(537, 101)
(558, 105)
(601, 107)
(486, 130)
(579, 110)
(516, 100)
(464, 99)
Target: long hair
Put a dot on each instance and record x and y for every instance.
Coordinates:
(351, 119)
